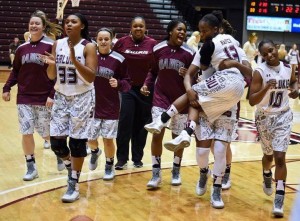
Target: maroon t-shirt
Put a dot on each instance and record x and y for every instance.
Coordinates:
(30, 73)
(168, 83)
(107, 98)
(138, 57)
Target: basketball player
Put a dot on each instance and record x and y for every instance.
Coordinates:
(74, 63)
(35, 90)
(51, 30)
(170, 56)
(221, 91)
(226, 28)
(137, 48)
(274, 82)
(111, 77)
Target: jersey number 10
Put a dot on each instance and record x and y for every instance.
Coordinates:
(276, 98)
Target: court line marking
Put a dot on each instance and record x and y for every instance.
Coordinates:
(56, 188)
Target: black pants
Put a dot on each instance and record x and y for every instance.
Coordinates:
(135, 113)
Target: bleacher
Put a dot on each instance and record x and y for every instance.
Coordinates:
(117, 14)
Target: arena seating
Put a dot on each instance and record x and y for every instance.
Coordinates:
(117, 14)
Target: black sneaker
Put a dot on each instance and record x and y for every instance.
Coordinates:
(121, 165)
(138, 164)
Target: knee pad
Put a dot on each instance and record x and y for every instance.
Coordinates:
(202, 157)
(78, 147)
(220, 157)
(59, 147)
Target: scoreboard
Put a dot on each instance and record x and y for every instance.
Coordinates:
(273, 15)
(274, 8)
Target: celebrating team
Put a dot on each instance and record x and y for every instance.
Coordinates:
(112, 92)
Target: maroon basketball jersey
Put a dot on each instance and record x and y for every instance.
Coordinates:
(107, 98)
(168, 83)
(30, 73)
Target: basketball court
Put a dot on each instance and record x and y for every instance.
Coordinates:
(127, 198)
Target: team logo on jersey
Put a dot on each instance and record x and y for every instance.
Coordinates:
(247, 132)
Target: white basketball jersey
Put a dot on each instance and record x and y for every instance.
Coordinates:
(275, 99)
(210, 70)
(225, 47)
(69, 80)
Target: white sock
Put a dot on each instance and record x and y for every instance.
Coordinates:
(172, 111)
(156, 160)
(202, 157)
(280, 185)
(177, 160)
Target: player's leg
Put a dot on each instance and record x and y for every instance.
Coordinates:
(109, 133)
(178, 105)
(282, 134)
(81, 108)
(156, 151)
(184, 138)
(26, 116)
(94, 132)
(204, 136)
(177, 124)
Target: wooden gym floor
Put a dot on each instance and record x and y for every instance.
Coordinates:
(127, 198)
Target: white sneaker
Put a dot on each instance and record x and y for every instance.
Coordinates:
(94, 160)
(201, 186)
(47, 144)
(156, 178)
(226, 181)
(278, 205)
(181, 141)
(31, 173)
(60, 164)
(109, 173)
(267, 185)
(216, 198)
(176, 178)
(72, 193)
(155, 126)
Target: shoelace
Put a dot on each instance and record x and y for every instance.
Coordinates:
(108, 169)
(278, 201)
(175, 173)
(71, 186)
(30, 168)
(217, 194)
(155, 174)
(225, 178)
(203, 180)
(268, 182)
(94, 158)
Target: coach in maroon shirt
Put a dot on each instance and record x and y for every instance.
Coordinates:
(135, 107)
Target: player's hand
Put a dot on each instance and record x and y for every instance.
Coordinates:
(227, 63)
(72, 52)
(144, 91)
(271, 84)
(293, 93)
(193, 98)
(182, 71)
(49, 102)
(113, 82)
(6, 96)
(47, 58)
